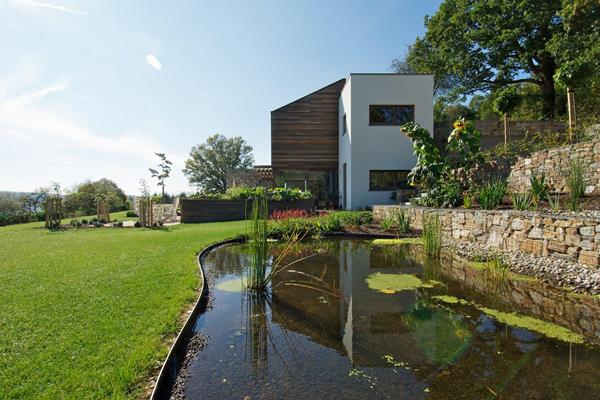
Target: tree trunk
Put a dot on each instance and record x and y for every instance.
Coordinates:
(571, 111)
(547, 70)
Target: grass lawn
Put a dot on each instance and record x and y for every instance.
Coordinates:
(84, 313)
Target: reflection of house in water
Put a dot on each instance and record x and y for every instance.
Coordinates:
(362, 323)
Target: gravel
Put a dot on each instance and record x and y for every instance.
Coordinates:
(554, 270)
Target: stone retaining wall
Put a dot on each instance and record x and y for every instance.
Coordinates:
(568, 237)
(554, 164)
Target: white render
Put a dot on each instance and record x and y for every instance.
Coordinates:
(364, 147)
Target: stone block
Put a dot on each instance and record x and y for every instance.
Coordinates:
(535, 247)
(536, 233)
(517, 224)
(556, 246)
(587, 245)
(587, 231)
(591, 258)
(572, 240)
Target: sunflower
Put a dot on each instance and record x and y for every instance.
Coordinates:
(459, 125)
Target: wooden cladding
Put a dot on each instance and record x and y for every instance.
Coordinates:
(199, 210)
(304, 133)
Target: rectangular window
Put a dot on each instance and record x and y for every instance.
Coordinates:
(344, 125)
(391, 114)
(386, 180)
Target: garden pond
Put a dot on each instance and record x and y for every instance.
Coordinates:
(387, 322)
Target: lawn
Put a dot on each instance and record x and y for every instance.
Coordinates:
(84, 313)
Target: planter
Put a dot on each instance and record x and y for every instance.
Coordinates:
(198, 210)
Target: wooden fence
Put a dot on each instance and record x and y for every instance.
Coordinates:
(196, 210)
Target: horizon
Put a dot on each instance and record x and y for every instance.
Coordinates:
(92, 90)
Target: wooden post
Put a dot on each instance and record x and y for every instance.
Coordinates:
(571, 111)
(506, 129)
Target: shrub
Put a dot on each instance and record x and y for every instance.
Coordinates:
(492, 193)
(282, 214)
(84, 221)
(97, 224)
(576, 184)
(522, 201)
(137, 224)
(94, 219)
(74, 223)
(539, 188)
(131, 214)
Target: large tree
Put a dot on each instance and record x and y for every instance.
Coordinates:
(481, 45)
(208, 163)
(84, 197)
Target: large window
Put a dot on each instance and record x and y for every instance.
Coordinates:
(391, 114)
(385, 180)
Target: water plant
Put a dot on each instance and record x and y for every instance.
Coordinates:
(522, 201)
(402, 222)
(387, 223)
(432, 234)
(492, 193)
(575, 183)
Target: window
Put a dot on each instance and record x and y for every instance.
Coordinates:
(391, 114)
(388, 180)
(344, 125)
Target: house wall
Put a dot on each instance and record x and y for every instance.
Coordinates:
(345, 142)
(381, 147)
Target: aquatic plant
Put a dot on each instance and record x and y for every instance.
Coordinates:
(259, 246)
(392, 283)
(402, 222)
(432, 234)
(409, 240)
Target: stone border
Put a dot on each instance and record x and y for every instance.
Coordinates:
(170, 367)
(572, 237)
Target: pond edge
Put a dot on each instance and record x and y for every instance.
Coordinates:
(171, 364)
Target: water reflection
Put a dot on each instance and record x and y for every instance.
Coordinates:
(350, 341)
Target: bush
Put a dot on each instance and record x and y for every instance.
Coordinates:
(576, 184)
(282, 214)
(97, 224)
(492, 193)
(74, 223)
(131, 214)
(84, 221)
(137, 224)
(387, 223)
(522, 201)
(468, 200)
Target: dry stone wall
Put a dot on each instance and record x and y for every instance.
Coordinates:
(554, 164)
(562, 236)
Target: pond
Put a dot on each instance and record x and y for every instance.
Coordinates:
(387, 322)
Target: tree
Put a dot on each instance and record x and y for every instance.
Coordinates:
(504, 103)
(208, 163)
(162, 173)
(84, 197)
(577, 47)
(34, 202)
(481, 45)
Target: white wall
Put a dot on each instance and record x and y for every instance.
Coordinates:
(345, 107)
(380, 147)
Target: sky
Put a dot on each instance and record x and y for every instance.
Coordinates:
(92, 89)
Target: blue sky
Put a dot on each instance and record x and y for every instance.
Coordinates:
(91, 89)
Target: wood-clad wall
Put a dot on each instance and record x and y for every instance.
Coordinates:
(305, 133)
(200, 210)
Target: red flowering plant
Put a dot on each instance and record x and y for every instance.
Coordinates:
(295, 213)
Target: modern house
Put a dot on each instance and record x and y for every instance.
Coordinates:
(343, 141)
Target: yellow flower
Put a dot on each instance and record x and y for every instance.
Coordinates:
(460, 125)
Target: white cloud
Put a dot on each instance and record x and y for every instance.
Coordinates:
(55, 7)
(153, 61)
(45, 140)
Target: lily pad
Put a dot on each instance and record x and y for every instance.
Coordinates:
(392, 283)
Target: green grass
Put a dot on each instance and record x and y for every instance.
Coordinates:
(84, 313)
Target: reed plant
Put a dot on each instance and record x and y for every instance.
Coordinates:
(492, 193)
(554, 202)
(402, 222)
(523, 201)
(432, 234)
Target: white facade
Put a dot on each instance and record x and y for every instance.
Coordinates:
(366, 147)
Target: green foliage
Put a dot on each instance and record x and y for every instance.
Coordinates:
(131, 214)
(506, 100)
(208, 163)
(522, 201)
(554, 202)
(432, 234)
(258, 244)
(402, 220)
(244, 192)
(525, 146)
(287, 194)
(387, 223)
(468, 200)
(82, 200)
(464, 145)
(490, 195)
(336, 221)
(539, 188)
(430, 166)
(575, 183)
